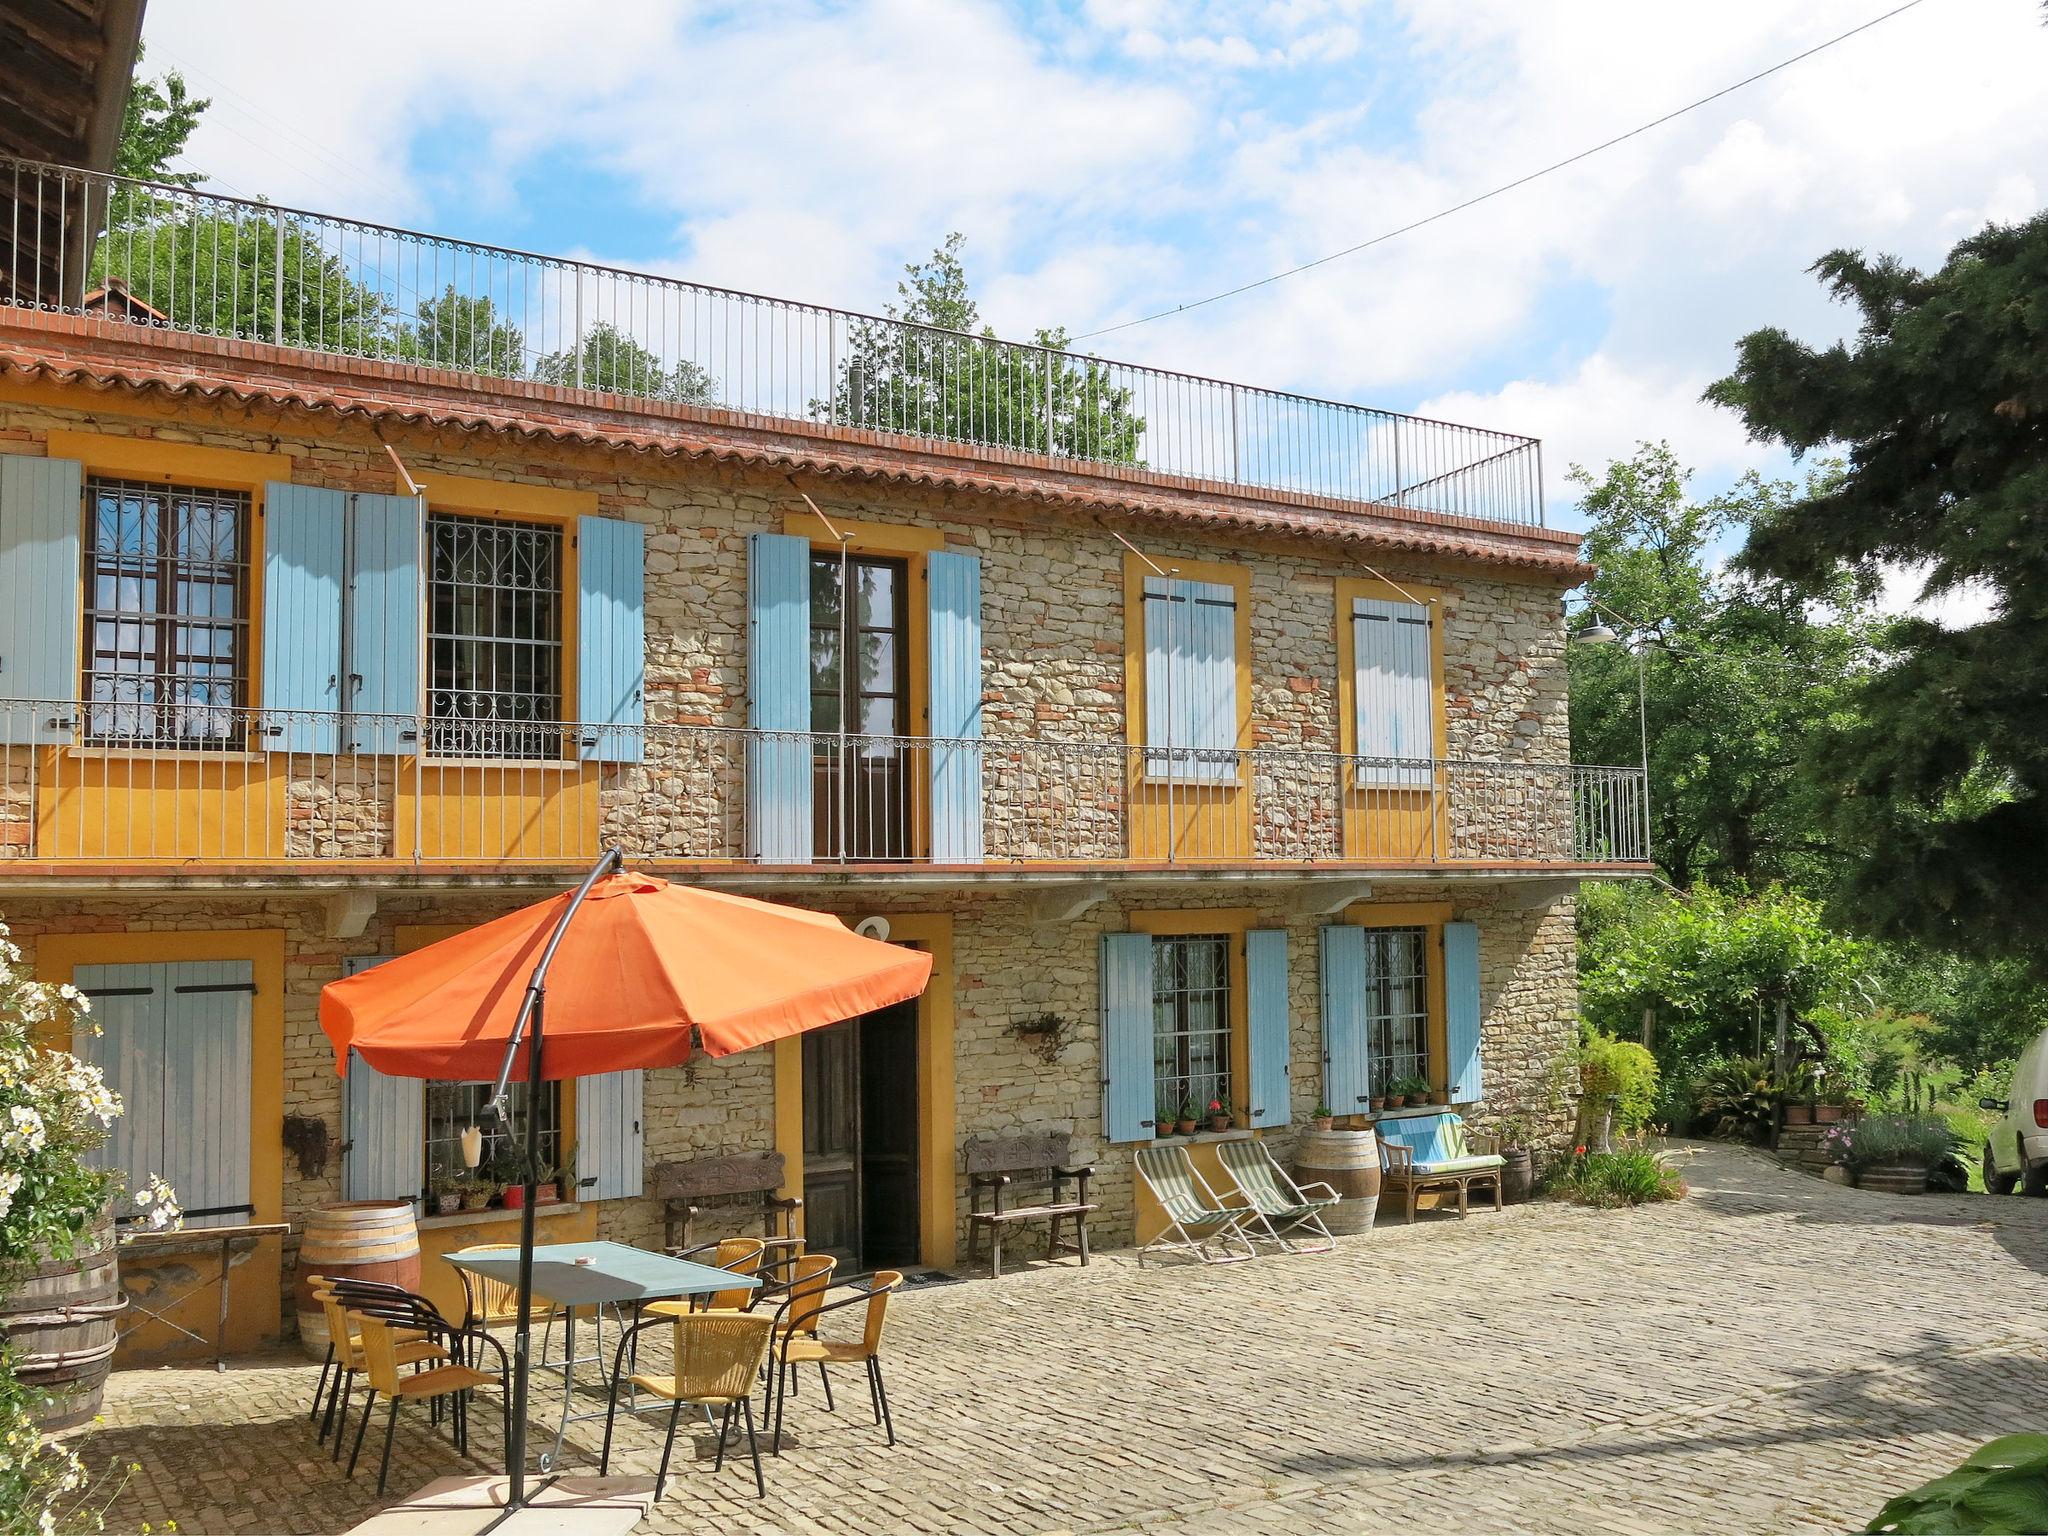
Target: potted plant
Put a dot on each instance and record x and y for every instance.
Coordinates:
(1412, 1089)
(1163, 1119)
(1379, 1102)
(508, 1174)
(477, 1193)
(1396, 1100)
(1518, 1170)
(1219, 1113)
(1831, 1109)
(1184, 1117)
(1893, 1153)
(447, 1191)
(1321, 1118)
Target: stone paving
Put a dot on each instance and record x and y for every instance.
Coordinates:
(1773, 1353)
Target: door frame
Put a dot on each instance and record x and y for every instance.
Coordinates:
(254, 1307)
(938, 1221)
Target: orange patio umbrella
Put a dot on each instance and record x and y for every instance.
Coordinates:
(638, 966)
(643, 964)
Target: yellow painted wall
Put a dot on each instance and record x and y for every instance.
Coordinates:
(937, 1150)
(1173, 819)
(144, 807)
(253, 1310)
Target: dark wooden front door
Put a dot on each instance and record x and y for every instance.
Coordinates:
(860, 1139)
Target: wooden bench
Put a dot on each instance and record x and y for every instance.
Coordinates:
(994, 1164)
(1420, 1152)
(747, 1179)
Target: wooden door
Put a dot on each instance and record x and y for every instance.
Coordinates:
(888, 1152)
(832, 1126)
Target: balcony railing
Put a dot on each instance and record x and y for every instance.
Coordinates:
(189, 784)
(211, 265)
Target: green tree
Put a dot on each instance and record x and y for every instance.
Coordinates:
(458, 331)
(612, 360)
(156, 123)
(1739, 671)
(1936, 776)
(940, 372)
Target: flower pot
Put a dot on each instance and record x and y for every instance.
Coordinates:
(547, 1194)
(1828, 1114)
(1321, 1122)
(515, 1197)
(1895, 1179)
(1397, 1101)
(1517, 1175)
(1219, 1123)
(477, 1200)
(445, 1205)
(1185, 1127)
(1379, 1101)
(1799, 1114)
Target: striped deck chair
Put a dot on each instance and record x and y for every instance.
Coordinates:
(1284, 1207)
(1198, 1223)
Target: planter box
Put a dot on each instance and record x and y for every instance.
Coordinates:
(1799, 1114)
(1895, 1179)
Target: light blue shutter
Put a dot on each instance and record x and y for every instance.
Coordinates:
(1190, 679)
(129, 1003)
(608, 1138)
(1347, 1068)
(41, 512)
(611, 651)
(209, 1044)
(1464, 1075)
(1268, 1102)
(955, 636)
(304, 544)
(1127, 1080)
(1394, 693)
(385, 621)
(779, 807)
(384, 1125)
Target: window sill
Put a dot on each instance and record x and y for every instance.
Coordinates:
(1409, 1112)
(497, 1213)
(1176, 781)
(160, 755)
(1234, 1134)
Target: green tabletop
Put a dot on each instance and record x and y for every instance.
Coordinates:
(613, 1272)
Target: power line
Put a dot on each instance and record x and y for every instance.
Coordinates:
(1509, 186)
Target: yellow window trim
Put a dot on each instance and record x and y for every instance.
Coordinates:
(58, 956)
(407, 937)
(150, 458)
(1430, 916)
(1233, 923)
(1239, 579)
(864, 538)
(510, 498)
(1349, 589)
(936, 1126)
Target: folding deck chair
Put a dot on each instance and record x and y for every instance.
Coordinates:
(1283, 1206)
(1198, 1222)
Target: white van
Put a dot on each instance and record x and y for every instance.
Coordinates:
(2016, 1151)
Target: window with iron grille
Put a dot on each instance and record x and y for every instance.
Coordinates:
(1396, 1004)
(166, 615)
(1191, 1020)
(453, 1107)
(494, 637)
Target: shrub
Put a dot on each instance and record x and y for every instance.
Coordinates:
(1623, 1069)
(1924, 1139)
(1739, 1099)
(1630, 1176)
(2002, 1486)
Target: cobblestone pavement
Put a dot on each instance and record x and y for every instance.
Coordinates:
(1773, 1353)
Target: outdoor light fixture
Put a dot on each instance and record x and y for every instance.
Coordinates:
(472, 1146)
(1597, 633)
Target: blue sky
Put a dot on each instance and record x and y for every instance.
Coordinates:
(1110, 157)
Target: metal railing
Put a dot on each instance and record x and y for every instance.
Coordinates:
(99, 783)
(203, 263)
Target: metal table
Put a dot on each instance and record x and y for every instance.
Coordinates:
(197, 1240)
(611, 1274)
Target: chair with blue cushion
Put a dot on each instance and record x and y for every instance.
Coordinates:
(1419, 1152)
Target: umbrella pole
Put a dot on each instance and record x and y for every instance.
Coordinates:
(522, 1339)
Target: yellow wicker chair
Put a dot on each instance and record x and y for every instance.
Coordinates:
(740, 1255)
(382, 1356)
(717, 1355)
(794, 1348)
(345, 1347)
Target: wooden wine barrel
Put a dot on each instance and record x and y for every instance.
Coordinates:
(355, 1240)
(59, 1324)
(1349, 1162)
(1894, 1179)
